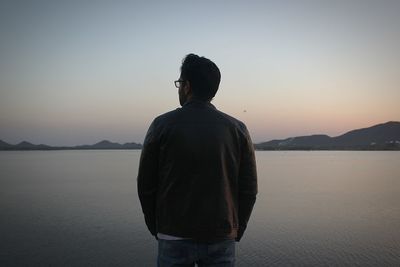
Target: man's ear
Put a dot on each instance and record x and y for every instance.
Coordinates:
(187, 88)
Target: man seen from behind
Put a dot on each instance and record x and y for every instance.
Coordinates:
(197, 179)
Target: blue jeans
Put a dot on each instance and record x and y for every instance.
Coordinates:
(188, 252)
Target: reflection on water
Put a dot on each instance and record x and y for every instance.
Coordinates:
(80, 208)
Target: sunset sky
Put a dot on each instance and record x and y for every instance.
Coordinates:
(77, 72)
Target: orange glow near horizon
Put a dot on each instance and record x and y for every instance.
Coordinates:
(105, 71)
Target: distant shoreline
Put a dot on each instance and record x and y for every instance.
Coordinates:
(380, 137)
(127, 149)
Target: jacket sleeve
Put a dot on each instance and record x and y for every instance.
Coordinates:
(147, 178)
(247, 183)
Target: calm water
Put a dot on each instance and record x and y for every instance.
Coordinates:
(80, 208)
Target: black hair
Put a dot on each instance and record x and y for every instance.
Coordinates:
(203, 75)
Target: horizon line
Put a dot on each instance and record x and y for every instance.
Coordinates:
(106, 140)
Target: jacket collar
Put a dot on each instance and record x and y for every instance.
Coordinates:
(196, 102)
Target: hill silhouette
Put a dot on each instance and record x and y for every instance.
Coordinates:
(105, 144)
(385, 136)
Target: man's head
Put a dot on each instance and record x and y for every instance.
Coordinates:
(200, 78)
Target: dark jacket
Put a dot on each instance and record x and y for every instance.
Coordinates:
(197, 175)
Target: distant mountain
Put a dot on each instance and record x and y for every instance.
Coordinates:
(105, 144)
(376, 135)
(384, 136)
(28, 146)
(132, 146)
(4, 145)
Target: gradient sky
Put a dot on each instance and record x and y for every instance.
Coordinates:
(77, 72)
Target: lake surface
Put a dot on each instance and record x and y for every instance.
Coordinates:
(80, 208)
